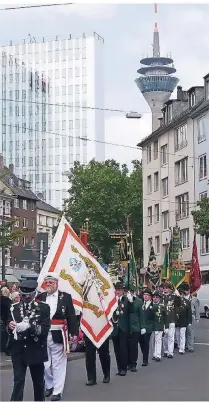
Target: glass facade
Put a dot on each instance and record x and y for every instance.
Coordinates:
(156, 83)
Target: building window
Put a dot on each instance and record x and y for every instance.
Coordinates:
(149, 184)
(201, 129)
(204, 245)
(203, 167)
(149, 153)
(180, 138)
(157, 244)
(182, 206)
(207, 90)
(16, 203)
(156, 181)
(149, 244)
(150, 216)
(165, 187)
(164, 154)
(157, 213)
(16, 222)
(17, 241)
(165, 217)
(184, 238)
(192, 99)
(169, 113)
(25, 204)
(181, 171)
(156, 149)
(203, 195)
(25, 222)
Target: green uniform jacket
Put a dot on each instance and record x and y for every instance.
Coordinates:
(159, 316)
(170, 309)
(149, 318)
(132, 318)
(183, 314)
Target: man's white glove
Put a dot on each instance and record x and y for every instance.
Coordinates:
(130, 297)
(22, 326)
(189, 325)
(166, 331)
(143, 331)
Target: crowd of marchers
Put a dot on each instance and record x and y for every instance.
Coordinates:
(40, 326)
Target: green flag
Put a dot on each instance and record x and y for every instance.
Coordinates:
(177, 276)
(133, 277)
(165, 273)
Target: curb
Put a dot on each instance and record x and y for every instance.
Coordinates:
(71, 357)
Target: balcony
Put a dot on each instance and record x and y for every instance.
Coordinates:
(180, 146)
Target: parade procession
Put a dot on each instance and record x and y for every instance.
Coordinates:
(75, 294)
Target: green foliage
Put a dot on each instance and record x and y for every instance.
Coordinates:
(7, 235)
(201, 217)
(105, 193)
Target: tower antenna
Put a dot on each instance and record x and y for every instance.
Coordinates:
(156, 24)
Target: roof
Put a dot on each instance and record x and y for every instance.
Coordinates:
(46, 207)
(175, 121)
(13, 184)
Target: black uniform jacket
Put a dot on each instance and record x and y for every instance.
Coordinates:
(31, 344)
(65, 311)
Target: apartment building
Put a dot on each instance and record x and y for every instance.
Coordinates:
(47, 219)
(175, 172)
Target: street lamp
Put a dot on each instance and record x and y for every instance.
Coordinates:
(133, 115)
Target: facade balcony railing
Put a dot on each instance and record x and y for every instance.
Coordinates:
(181, 145)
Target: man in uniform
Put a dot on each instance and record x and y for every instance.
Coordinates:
(144, 339)
(195, 306)
(63, 323)
(104, 356)
(29, 324)
(183, 319)
(130, 325)
(169, 299)
(159, 325)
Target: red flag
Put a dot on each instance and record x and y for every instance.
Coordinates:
(195, 281)
(84, 238)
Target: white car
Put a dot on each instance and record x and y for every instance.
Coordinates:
(203, 297)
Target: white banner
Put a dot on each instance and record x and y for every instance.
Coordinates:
(82, 276)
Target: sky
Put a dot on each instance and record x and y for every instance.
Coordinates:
(127, 30)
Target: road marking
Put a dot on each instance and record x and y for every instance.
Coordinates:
(206, 344)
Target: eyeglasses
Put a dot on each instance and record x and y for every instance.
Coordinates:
(49, 282)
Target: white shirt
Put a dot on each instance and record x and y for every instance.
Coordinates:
(52, 300)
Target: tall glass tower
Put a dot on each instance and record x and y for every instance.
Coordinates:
(156, 81)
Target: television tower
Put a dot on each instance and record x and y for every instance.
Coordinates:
(156, 81)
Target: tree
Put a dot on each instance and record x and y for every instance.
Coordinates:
(105, 193)
(201, 217)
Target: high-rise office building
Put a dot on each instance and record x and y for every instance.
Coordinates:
(73, 128)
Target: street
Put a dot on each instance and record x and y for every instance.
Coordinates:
(183, 378)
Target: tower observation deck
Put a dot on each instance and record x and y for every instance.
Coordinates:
(156, 81)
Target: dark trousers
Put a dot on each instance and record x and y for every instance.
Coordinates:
(144, 341)
(126, 349)
(104, 356)
(37, 375)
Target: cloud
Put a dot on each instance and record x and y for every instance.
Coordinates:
(120, 130)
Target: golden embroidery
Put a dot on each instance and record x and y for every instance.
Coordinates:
(91, 265)
(69, 278)
(93, 308)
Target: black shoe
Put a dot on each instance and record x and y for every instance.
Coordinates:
(181, 353)
(122, 373)
(158, 359)
(154, 358)
(56, 397)
(170, 356)
(106, 379)
(133, 369)
(144, 364)
(190, 350)
(128, 368)
(48, 392)
(90, 383)
(165, 355)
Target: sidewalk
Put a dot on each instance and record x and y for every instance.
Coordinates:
(6, 363)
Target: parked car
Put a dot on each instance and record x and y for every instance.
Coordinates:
(203, 297)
